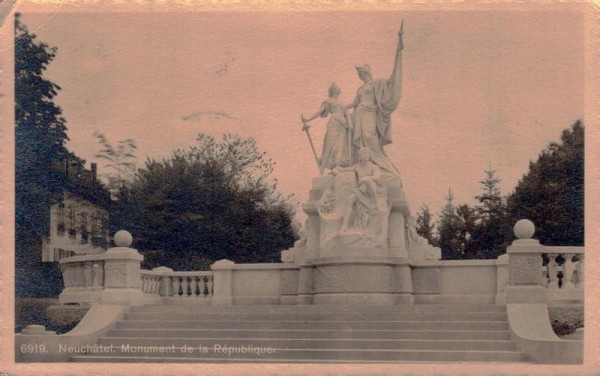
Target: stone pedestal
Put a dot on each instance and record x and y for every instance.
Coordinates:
(359, 280)
(358, 243)
(223, 282)
(122, 280)
(525, 272)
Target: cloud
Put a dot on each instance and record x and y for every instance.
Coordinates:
(211, 115)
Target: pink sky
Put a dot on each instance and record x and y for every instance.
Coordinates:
(479, 87)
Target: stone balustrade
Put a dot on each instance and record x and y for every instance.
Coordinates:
(188, 285)
(83, 278)
(563, 268)
(96, 278)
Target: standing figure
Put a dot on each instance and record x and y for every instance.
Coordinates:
(336, 145)
(373, 106)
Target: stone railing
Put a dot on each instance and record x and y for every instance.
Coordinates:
(528, 301)
(563, 268)
(83, 277)
(163, 283)
(151, 283)
(190, 285)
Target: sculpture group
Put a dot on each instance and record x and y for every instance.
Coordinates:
(362, 187)
(369, 125)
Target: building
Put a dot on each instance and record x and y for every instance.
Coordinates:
(79, 221)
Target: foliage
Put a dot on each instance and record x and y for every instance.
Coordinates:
(425, 225)
(40, 137)
(492, 233)
(551, 194)
(215, 200)
(120, 161)
(449, 230)
(40, 133)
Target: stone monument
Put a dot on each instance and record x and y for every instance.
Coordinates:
(360, 239)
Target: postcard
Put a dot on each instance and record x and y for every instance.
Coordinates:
(300, 188)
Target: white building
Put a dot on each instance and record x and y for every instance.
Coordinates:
(79, 223)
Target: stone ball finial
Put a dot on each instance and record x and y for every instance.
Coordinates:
(123, 238)
(524, 229)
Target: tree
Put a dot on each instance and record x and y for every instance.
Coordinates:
(492, 232)
(551, 194)
(425, 225)
(120, 162)
(215, 200)
(40, 137)
(449, 230)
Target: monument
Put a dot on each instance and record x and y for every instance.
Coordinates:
(360, 238)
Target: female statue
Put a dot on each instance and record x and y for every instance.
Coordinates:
(336, 145)
(373, 106)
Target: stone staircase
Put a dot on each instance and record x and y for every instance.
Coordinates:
(309, 333)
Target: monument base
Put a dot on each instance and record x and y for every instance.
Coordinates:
(360, 280)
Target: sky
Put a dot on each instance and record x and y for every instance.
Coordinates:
(480, 88)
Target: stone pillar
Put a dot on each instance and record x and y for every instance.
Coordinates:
(222, 282)
(122, 279)
(525, 266)
(164, 289)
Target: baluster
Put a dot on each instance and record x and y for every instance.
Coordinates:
(553, 269)
(186, 287)
(146, 284)
(87, 273)
(545, 276)
(80, 275)
(66, 272)
(101, 274)
(96, 271)
(209, 285)
(151, 284)
(580, 271)
(175, 286)
(201, 287)
(156, 290)
(545, 271)
(568, 268)
(195, 287)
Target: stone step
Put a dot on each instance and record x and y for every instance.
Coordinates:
(309, 308)
(324, 334)
(315, 344)
(338, 316)
(315, 325)
(306, 355)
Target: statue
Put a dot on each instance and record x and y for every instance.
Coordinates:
(336, 145)
(367, 202)
(373, 106)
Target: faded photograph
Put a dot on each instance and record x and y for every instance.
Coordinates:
(299, 187)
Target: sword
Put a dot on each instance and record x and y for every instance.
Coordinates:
(306, 128)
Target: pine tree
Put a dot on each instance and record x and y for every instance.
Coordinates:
(493, 230)
(425, 225)
(449, 230)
